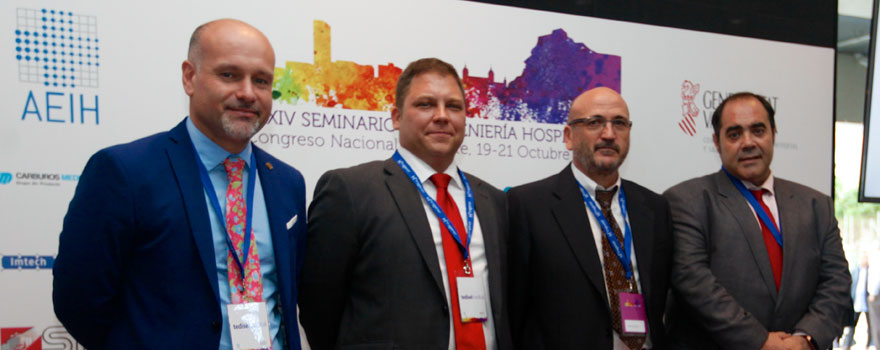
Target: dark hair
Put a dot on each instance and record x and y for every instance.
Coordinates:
(195, 43)
(716, 117)
(421, 66)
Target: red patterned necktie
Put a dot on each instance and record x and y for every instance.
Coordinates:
(615, 275)
(469, 335)
(251, 289)
(773, 248)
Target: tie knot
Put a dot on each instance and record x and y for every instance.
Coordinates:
(604, 197)
(757, 193)
(233, 165)
(440, 180)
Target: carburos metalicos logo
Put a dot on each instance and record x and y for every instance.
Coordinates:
(32, 178)
(59, 51)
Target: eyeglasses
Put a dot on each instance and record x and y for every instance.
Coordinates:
(598, 123)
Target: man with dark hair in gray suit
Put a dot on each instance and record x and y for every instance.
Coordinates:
(408, 253)
(757, 260)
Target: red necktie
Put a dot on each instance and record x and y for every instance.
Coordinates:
(236, 213)
(773, 248)
(467, 335)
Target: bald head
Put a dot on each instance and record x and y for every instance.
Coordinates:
(595, 96)
(228, 76)
(221, 28)
(598, 134)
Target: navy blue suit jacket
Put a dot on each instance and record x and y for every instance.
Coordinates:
(135, 266)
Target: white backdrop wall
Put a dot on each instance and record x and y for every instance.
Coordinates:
(133, 88)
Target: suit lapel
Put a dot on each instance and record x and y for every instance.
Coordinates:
(744, 215)
(641, 221)
(277, 212)
(409, 202)
(181, 156)
(788, 220)
(489, 226)
(570, 213)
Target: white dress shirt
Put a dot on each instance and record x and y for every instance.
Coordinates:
(591, 187)
(769, 197)
(477, 247)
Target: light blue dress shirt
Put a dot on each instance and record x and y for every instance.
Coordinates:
(212, 157)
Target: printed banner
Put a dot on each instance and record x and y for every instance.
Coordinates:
(81, 76)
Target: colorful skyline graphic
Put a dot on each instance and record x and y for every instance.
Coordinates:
(556, 72)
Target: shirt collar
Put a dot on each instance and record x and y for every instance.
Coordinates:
(767, 185)
(589, 184)
(424, 171)
(211, 154)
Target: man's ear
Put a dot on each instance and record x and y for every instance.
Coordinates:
(395, 117)
(189, 75)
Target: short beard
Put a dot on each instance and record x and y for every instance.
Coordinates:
(592, 166)
(238, 131)
(588, 160)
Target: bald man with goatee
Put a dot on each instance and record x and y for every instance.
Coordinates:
(190, 238)
(589, 251)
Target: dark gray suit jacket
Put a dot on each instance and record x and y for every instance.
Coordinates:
(725, 294)
(372, 279)
(557, 286)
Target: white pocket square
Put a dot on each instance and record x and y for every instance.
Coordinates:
(292, 221)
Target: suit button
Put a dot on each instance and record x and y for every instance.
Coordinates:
(445, 308)
(215, 326)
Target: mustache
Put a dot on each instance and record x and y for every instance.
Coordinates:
(606, 144)
(244, 106)
(755, 152)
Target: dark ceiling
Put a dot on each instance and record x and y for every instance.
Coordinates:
(811, 22)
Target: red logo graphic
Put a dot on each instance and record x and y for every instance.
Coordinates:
(689, 109)
(20, 338)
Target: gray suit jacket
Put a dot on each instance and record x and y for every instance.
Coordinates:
(725, 294)
(372, 279)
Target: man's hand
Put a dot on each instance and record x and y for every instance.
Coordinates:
(776, 341)
(797, 342)
(871, 298)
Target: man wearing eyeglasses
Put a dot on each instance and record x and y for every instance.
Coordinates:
(757, 260)
(589, 252)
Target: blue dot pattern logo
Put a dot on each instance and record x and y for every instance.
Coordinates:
(5, 178)
(57, 48)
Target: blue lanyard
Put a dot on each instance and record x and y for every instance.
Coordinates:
(756, 206)
(212, 195)
(468, 196)
(622, 253)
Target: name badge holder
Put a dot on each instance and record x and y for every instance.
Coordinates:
(248, 322)
(471, 292)
(634, 319)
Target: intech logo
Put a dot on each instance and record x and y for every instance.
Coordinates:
(5, 178)
(27, 262)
